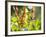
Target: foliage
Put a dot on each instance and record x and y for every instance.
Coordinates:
(29, 24)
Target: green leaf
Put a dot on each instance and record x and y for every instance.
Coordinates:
(14, 19)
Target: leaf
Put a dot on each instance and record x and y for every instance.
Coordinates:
(14, 19)
(15, 28)
(38, 24)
